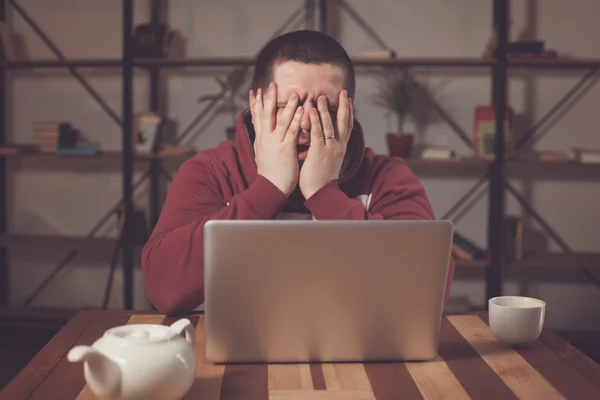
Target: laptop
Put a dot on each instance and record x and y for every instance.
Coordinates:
(324, 291)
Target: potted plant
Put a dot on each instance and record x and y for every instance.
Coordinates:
(403, 96)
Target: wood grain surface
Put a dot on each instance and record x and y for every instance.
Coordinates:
(471, 364)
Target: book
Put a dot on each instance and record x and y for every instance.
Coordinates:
(513, 238)
(587, 156)
(484, 132)
(438, 153)
(79, 150)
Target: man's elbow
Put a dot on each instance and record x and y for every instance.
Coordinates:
(169, 300)
(168, 292)
(171, 304)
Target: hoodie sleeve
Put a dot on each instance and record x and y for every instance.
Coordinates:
(396, 194)
(172, 259)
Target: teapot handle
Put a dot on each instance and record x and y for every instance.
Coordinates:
(185, 324)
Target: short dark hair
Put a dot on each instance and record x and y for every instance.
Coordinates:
(306, 46)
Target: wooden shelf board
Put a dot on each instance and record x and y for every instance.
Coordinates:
(18, 313)
(102, 159)
(195, 61)
(510, 163)
(558, 260)
(359, 61)
(115, 155)
(424, 61)
(458, 162)
(242, 61)
(482, 263)
(544, 260)
(57, 241)
(114, 158)
(518, 163)
(74, 62)
(463, 166)
(557, 63)
(236, 61)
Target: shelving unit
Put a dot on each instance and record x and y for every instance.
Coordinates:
(57, 242)
(462, 62)
(4, 282)
(495, 172)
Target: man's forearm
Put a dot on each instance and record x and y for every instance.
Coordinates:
(331, 203)
(172, 260)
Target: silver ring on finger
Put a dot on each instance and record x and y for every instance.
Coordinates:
(329, 137)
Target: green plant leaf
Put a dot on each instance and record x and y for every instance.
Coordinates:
(401, 93)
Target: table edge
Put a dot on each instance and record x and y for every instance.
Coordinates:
(23, 383)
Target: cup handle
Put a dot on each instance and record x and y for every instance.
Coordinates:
(185, 324)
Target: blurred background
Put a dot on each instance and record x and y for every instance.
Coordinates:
(63, 166)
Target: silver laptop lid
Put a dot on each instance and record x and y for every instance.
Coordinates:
(289, 291)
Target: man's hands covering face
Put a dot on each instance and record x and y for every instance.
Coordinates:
(276, 138)
(328, 141)
(275, 146)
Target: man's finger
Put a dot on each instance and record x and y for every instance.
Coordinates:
(316, 134)
(284, 120)
(343, 115)
(328, 128)
(258, 113)
(350, 119)
(294, 127)
(269, 114)
(251, 102)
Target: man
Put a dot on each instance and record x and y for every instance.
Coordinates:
(298, 153)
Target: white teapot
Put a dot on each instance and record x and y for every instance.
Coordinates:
(140, 361)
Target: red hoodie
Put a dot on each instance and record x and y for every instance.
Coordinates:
(222, 183)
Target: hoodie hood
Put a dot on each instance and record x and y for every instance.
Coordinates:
(244, 143)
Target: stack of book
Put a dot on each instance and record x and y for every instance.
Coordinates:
(51, 136)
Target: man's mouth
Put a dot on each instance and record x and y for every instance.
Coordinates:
(302, 150)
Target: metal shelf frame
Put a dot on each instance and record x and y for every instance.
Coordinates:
(4, 278)
(495, 171)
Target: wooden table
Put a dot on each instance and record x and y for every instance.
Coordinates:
(471, 364)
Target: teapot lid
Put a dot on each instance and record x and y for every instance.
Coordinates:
(142, 333)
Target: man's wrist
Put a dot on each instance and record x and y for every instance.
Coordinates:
(265, 198)
(308, 193)
(327, 201)
(283, 189)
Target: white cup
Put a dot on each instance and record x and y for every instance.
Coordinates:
(516, 320)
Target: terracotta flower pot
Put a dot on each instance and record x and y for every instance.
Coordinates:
(399, 144)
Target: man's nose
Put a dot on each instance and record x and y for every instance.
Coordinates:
(305, 123)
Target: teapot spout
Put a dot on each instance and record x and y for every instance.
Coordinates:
(102, 374)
